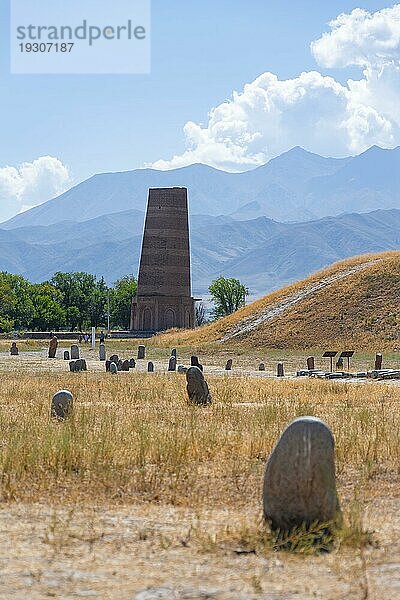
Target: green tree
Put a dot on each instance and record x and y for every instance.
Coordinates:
(82, 291)
(72, 317)
(121, 301)
(228, 295)
(16, 305)
(48, 313)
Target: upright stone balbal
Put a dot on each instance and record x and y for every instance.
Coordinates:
(197, 387)
(61, 405)
(14, 349)
(74, 352)
(102, 352)
(172, 363)
(194, 361)
(299, 482)
(141, 354)
(53, 347)
(311, 363)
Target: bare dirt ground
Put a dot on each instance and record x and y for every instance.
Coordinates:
(146, 553)
(150, 551)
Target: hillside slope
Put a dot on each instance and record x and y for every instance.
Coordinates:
(354, 304)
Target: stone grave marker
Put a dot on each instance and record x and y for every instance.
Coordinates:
(74, 352)
(172, 363)
(299, 482)
(114, 358)
(132, 363)
(113, 368)
(280, 370)
(125, 365)
(102, 352)
(310, 363)
(339, 363)
(378, 362)
(173, 352)
(150, 367)
(61, 405)
(194, 362)
(228, 366)
(66, 354)
(141, 352)
(14, 349)
(53, 347)
(197, 387)
(261, 367)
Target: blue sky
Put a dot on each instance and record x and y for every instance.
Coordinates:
(201, 52)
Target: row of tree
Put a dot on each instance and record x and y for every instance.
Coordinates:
(80, 300)
(68, 300)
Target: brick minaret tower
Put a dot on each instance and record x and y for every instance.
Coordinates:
(163, 297)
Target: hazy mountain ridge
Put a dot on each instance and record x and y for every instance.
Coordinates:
(296, 186)
(265, 254)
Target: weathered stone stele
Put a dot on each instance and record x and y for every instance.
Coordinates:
(53, 347)
(66, 355)
(132, 363)
(261, 367)
(310, 363)
(197, 387)
(194, 362)
(173, 352)
(150, 367)
(172, 363)
(61, 404)
(125, 365)
(163, 299)
(228, 366)
(102, 352)
(299, 482)
(141, 352)
(14, 349)
(74, 352)
(113, 368)
(378, 362)
(280, 370)
(114, 358)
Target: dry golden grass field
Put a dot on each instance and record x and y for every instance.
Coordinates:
(141, 496)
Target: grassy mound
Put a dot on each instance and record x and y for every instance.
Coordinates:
(354, 303)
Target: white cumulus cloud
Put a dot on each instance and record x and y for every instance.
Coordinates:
(360, 38)
(31, 183)
(270, 115)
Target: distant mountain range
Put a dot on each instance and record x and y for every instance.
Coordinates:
(268, 227)
(263, 253)
(296, 186)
